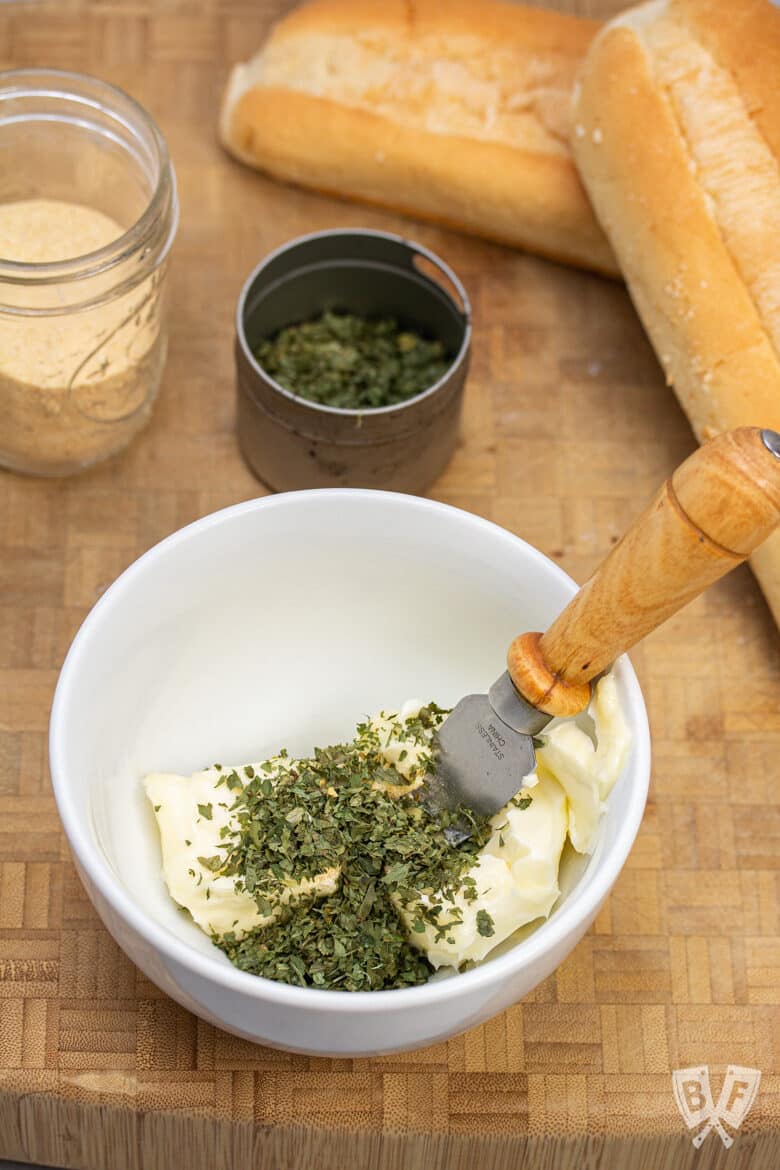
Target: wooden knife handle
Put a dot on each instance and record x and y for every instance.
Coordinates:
(718, 506)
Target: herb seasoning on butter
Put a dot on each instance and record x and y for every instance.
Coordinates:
(330, 871)
(341, 810)
(351, 362)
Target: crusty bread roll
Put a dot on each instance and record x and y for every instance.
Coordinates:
(676, 130)
(453, 111)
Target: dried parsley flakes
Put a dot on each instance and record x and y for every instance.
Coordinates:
(485, 924)
(351, 362)
(332, 811)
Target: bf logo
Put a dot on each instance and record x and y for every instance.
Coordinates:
(694, 1100)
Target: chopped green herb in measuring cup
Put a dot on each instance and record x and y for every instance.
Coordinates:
(352, 362)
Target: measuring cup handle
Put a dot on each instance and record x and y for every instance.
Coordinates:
(716, 508)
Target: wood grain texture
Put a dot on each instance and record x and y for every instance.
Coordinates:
(568, 430)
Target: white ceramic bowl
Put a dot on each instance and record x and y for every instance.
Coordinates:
(281, 622)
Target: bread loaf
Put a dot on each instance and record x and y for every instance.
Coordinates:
(676, 131)
(455, 112)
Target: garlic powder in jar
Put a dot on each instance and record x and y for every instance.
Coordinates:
(83, 260)
(76, 386)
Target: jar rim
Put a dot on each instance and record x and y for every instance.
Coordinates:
(117, 251)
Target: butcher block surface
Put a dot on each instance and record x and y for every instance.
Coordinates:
(568, 429)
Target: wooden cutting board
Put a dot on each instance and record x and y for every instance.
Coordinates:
(98, 1069)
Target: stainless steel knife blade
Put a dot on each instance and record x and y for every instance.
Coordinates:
(484, 750)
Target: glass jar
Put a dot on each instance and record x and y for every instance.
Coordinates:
(88, 212)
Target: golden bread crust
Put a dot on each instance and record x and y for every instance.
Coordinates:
(668, 132)
(455, 113)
